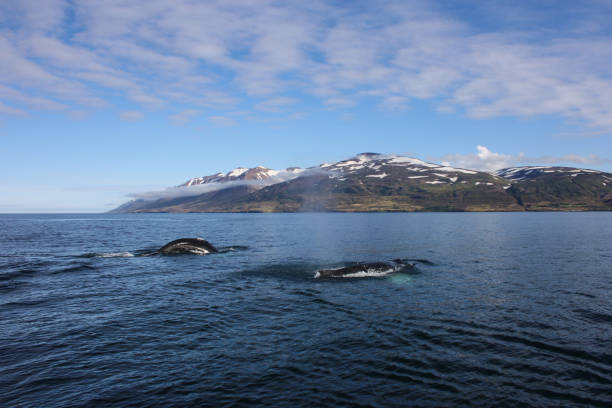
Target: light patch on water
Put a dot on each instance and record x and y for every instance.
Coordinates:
(116, 255)
(400, 279)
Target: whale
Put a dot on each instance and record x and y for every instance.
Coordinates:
(364, 269)
(196, 246)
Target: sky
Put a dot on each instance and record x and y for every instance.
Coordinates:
(104, 99)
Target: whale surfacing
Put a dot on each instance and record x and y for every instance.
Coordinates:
(361, 270)
(196, 246)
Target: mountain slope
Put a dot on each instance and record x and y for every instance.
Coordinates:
(372, 182)
(559, 188)
(220, 188)
(375, 182)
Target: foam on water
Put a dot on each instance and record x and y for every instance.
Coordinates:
(115, 255)
(369, 273)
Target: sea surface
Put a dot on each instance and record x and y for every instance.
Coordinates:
(505, 309)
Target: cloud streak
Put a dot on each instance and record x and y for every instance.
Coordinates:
(131, 116)
(197, 189)
(177, 192)
(396, 51)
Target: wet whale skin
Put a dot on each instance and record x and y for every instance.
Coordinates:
(188, 246)
(369, 267)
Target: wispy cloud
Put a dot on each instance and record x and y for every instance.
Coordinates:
(182, 191)
(78, 115)
(131, 116)
(397, 51)
(185, 116)
(275, 104)
(177, 192)
(9, 110)
(32, 101)
(222, 121)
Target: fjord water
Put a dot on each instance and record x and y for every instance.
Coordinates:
(515, 309)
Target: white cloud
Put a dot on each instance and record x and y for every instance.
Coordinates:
(9, 110)
(184, 116)
(275, 104)
(157, 55)
(78, 115)
(340, 102)
(182, 191)
(176, 192)
(131, 116)
(33, 101)
(486, 160)
(222, 121)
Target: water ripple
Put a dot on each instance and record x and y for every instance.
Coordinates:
(500, 317)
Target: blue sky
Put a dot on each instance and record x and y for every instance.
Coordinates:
(101, 99)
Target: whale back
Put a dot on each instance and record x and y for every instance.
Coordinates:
(188, 245)
(364, 269)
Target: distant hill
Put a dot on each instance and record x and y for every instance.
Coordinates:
(377, 182)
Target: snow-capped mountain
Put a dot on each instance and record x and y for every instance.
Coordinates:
(258, 173)
(382, 182)
(532, 172)
(380, 166)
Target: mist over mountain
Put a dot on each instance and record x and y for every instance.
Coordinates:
(380, 182)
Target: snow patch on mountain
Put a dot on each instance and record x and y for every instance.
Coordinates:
(237, 172)
(256, 177)
(528, 172)
(449, 169)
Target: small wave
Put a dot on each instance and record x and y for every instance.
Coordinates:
(588, 295)
(15, 274)
(25, 303)
(421, 261)
(7, 286)
(593, 316)
(74, 268)
(232, 248)
(291, 271)
(108, 255)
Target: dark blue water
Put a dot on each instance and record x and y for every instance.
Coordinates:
(516, 310)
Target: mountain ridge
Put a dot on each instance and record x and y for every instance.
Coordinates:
(385, 182)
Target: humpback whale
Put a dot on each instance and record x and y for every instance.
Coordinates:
(197, 246)
(364, 269)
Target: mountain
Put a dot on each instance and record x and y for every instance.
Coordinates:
(559, 188)
(378, 182)
(220, 188)
(258, 173)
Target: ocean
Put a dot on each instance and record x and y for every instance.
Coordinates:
(501, 309)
